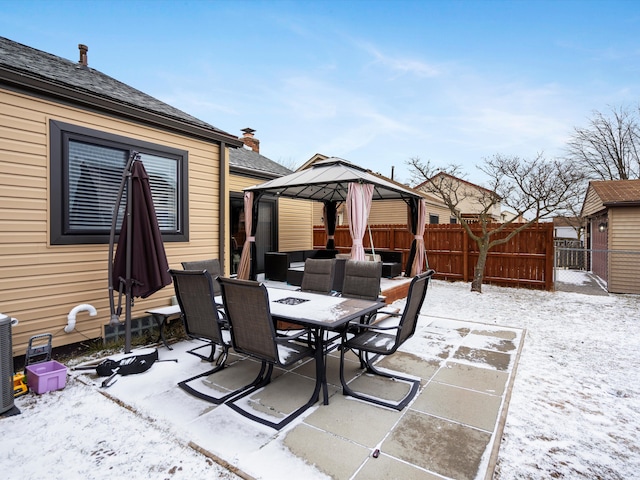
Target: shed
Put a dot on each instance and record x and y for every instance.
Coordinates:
(611, 209)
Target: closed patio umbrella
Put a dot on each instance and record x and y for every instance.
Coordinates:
(140, 266)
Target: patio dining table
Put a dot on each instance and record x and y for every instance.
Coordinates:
(321, 313)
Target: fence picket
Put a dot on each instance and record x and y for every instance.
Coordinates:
(526, 260)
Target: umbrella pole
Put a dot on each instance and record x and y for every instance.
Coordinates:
(126, 175)
(128, 281)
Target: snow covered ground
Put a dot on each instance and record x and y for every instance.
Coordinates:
(574, 412)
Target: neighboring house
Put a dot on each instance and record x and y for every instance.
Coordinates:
(66, 130)
(472, 197)
(567, 227)
(285, 224)
(611, 209)
(507, 215)
(385, 212)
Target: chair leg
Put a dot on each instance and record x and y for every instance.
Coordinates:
(277, 426)
(209, 358)
(346, 390)
(220, 364)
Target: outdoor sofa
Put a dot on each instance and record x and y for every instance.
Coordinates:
(277, 264)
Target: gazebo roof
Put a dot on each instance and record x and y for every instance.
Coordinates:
(329, 180)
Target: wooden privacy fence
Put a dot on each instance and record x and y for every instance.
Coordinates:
(525, 261)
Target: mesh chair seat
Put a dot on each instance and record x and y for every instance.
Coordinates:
(362, 279)
(211, 265)
(374, 342)
(318, 275)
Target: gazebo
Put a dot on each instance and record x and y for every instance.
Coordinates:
(333, 181)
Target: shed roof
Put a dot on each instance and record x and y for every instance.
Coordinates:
(613, 192)
(28, 69)
(603, 194)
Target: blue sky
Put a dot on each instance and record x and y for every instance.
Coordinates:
(373, 82)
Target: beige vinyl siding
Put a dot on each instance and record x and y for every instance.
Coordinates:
(295, 228)
(443, 213)
(238, 183)
(383, 212)
(624, 236)
(592, 203)
(316, 208)
(388, 212)
(40, 283)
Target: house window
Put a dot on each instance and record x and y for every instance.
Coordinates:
(86, 173)
(434, 218)
(453, 220)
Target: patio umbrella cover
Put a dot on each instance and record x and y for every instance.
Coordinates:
(149, 266)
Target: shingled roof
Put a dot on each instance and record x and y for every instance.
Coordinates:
(617, 192)
(27, 69)
(247, 161)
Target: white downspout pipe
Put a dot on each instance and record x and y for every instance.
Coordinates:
(71, 318)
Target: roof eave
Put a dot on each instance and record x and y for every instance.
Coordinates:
(30, 84)
(622, 203)
(252, 172)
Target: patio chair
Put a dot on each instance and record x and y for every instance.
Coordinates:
(318, 275)
(201, 320)
(317, 278)
(253, 333)
(362, 279)
(213, 267)
(384, 340)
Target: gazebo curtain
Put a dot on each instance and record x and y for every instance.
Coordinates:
(329, 213)
(412, 224)
(359, 198)
(244, 268)
(418, 240)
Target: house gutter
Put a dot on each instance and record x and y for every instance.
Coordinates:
(257, 174)
(622, 203)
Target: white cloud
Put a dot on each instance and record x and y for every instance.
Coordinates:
(399, 64)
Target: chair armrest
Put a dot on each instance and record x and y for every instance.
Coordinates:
(293, 336)
(372, 326)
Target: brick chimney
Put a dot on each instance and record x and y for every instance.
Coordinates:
(249, 140)
(84, 61)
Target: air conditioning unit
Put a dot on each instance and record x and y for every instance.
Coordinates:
(6, 365)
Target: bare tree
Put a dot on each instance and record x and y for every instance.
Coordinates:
(608, 149)
(536, 188)
(573, 206)
(289, 163)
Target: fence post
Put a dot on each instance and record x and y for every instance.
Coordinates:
(465, 255)
(550, 257)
